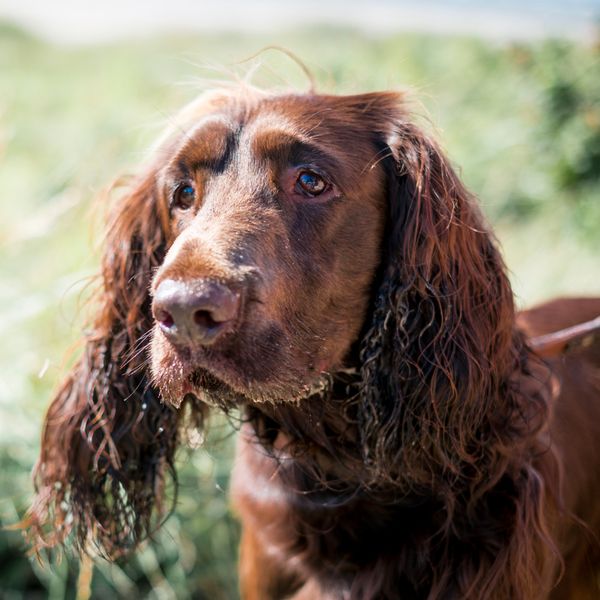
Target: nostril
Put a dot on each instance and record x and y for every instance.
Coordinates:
(165, 319)
(195, 312)
(204, 319)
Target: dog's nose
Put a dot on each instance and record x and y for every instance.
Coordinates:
(195, 312)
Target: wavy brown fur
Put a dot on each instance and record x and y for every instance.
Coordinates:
(399, 435)
(443, 346)
(108, 439)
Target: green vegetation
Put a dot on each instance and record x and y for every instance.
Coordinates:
(522, 123)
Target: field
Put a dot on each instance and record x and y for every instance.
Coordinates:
(521, 123)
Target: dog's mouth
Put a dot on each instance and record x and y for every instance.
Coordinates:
(225, 382)
(211, 380)
(227, 377)
(225, 392)
(211, 390)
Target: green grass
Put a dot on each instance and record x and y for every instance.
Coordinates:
(521, 123)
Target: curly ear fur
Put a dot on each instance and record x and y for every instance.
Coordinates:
(108, 440)
(452, 403)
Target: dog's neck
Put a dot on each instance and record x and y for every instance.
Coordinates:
(322, 433)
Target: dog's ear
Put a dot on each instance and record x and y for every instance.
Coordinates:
(453, 404)
(442, 329)
(108, 441)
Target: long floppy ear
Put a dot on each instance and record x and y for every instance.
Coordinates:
(442, 343)
(108, 441)
(453, 405)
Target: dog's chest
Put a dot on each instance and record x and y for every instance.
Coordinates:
(324, 535)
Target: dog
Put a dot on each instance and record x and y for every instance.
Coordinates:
(314, 262)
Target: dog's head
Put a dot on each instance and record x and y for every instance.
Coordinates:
(273, 240)
(276, 212)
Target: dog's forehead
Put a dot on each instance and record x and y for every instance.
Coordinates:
(310, 112)
(328, 118)
(265, 124)
(305, 115)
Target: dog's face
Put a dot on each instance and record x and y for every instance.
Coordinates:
(275, 213)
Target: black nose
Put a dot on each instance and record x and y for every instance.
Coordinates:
(195, 312)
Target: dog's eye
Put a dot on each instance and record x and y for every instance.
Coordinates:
(311, 183)
(184, 197)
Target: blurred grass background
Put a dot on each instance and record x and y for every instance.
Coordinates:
(520, 121)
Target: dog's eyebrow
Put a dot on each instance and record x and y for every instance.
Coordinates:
(207, 145)
(281, 144)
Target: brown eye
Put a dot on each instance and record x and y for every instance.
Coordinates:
(310, 183)
(184, 197)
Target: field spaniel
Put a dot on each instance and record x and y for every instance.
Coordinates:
(314, 262)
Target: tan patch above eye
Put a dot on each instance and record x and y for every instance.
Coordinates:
(207, 144)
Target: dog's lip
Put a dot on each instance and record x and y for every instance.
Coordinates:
(203, 372)
(202, 378)
(205, 369)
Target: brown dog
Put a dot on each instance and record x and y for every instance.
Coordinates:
(315, 262)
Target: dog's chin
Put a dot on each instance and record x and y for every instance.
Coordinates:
(224, 383)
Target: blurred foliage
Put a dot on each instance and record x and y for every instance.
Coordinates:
(521, 122)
